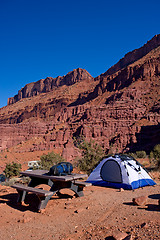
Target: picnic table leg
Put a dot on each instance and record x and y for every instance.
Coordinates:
(21, 196)
(77, 189)
(57, 186)
(33, 183)
(43, 201)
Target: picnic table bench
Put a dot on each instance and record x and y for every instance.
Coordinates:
(56, 183)
(43, 195)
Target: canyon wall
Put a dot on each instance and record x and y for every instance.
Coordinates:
(135, 55)
(119, 111)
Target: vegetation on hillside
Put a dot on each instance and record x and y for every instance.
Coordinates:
(92, 153)
(155, 155)
(50, 159)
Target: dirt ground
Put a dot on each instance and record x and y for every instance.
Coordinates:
(96, 215)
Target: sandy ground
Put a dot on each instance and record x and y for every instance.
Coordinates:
(97, 215)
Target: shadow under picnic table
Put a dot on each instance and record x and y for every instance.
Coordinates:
(31, 200)
(11, 200)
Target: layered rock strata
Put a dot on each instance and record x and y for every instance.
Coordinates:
(120, 109)
(48, 84)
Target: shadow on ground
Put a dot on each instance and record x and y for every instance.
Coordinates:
(31, 201)
(11, 200)
(154, 196)
(129, 203)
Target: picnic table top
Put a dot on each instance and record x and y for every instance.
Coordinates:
(44, 174)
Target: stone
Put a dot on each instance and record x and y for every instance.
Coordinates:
(68, 205)
(24, 220)
(118, 235)
(121, 190)
(42, 211)
(79, 210)
(140, 201)
(144, 225)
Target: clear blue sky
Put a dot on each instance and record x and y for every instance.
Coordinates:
(41, 38)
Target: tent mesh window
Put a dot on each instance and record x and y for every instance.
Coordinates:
(111, 172)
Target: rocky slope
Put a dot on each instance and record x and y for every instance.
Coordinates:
(119, 109)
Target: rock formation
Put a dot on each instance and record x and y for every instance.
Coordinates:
(48, 84)
(119, 109)
(135, 55)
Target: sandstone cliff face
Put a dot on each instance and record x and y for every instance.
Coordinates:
(135, 55)
(116, 128)
(48, 84)
(141, 79)
(120, 111)
(13, 134)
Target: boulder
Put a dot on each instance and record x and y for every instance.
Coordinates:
(140, 201)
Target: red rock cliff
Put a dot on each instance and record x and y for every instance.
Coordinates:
(48, 84)
(135, 55)
(119, 110)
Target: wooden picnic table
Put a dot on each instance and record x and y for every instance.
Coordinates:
(56, 183)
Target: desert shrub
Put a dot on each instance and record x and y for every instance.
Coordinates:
(12, 169)
(92, 153)
(25, 180)
(50, 159)
(141, 154)
(155, 155)
(151, 156)
(132, 155)
(138, 154)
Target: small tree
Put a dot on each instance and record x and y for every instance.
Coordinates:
(92, 153)
(50, 159)
(12, 169)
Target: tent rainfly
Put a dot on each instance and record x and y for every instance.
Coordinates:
(120, 171)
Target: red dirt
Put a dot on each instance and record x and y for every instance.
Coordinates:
(95, 216)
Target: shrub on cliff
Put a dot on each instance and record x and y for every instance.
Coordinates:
(138, 154)
(155, 155)
(50, 159)
(92, 153)
(12, 169)
(141, 154)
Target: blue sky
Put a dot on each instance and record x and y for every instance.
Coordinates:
(48, 38)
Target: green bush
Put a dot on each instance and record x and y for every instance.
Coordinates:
(12, 169)
(151, 155)
(155, 155)
(138, 154)
(50, 159)
(141, 154)
(92, 153)
(133, 155)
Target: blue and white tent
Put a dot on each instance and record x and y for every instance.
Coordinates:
(120, 171)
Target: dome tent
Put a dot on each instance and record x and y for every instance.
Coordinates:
(120, 171)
